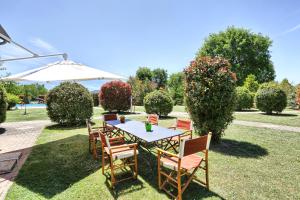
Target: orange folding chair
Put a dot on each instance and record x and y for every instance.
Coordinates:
(109, 117)
(113, 151)
(153, 119)
(186, 163)
(182, 124)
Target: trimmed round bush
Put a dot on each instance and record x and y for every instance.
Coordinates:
(69, 104)
(115, 96)
(270, 98)
(158, 102)
(210, 95)
(244, 98)
(3, 104)
(12, 101)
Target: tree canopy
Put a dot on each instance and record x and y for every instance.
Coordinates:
(176, 87)
(144, 73)
(160, 77)
(247, 52)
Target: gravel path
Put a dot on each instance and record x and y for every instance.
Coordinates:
(267, 125)
(17, 137)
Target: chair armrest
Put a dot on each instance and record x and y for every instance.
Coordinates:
(172, 127)
(124, 145)
(98, 127)
(160, 151)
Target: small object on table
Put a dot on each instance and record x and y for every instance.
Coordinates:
(148, 126)
(122, 119)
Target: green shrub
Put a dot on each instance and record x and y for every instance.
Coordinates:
(270, 97)
(244, 98)
(251, 83)
(12, 100)
(158, 102)
(95, 99)
(115, 96)
(3, 104)
(69, 104)
(210, 95)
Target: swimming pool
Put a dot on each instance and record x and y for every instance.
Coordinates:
(31, 105)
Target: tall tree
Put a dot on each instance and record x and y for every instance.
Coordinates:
(176, 87)
(140, 89)
(247, 52)
(144, 73)
(160, 77)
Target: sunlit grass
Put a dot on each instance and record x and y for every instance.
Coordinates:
(250, 163)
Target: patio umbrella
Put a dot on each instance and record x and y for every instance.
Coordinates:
(66, 70)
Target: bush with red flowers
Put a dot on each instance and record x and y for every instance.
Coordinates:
(115, 96)
(210, 95)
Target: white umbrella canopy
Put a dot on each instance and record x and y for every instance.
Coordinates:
(66, 70)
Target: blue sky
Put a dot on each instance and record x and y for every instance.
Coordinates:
(119, 36)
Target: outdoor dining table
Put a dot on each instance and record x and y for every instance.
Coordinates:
(159, 136)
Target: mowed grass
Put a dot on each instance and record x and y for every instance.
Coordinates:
(250, 163)
(287, 117)
(31, 114)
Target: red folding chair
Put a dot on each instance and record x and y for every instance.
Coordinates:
(153, 119)
(182, 124)
(114, 151)
(186, 163)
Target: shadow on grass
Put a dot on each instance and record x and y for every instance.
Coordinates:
(64, 127)
(167, 117)
(280, 114)
(148, 171)
(120, 113)
(53, 167)
(246, 111)
(2, 130)
(123, 188)
(239, 149)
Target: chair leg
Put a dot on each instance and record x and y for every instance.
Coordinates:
(112, 174)
(135, 167)
(206, 174)
(158, 171)
(103, 162)
(179, 197)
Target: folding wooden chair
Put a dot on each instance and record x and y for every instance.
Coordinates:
(126, 153)
(109, 117)
(183, 124)
(94, 135)
(153, 119)
(186, 163)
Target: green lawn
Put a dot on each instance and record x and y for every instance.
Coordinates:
(289, 118)
(32, 114)
(250, 163)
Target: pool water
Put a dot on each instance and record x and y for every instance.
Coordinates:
(31, 105)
